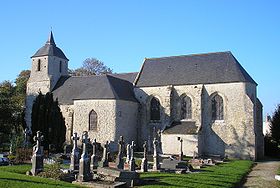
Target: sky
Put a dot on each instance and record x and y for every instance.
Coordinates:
(122, 33)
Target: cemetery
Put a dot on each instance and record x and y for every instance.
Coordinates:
(92, 164)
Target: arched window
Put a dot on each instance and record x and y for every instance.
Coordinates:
(155, 109)
(186, 108)
(39, 65)
(92, 121)
(217, 108)
(60, 66)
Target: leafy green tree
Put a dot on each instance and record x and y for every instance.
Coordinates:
(275, 126)
(47, 118)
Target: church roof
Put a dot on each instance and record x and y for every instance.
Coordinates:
(50, 49)
(183, 127)
(72, 88)
(126, 76)
(209, 68)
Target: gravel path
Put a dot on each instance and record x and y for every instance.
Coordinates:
(262, 175)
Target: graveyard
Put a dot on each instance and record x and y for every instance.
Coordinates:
(97, 167)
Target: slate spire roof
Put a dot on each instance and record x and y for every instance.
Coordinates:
(209, 68)
(50, 49)
(50, 40)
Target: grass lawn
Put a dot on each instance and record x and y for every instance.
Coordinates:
(14, 176)
(223, 175)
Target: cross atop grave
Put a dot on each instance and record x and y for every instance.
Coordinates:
(75, 155)
(155, 156)
(38, 138)
(104, 161)
(128, 153)
(75, 138)
(181, 155)
(132, 160)
(85, 141)
(93, 161)
(145, 147)
(144, 163)
(84, 168)
(119, 160)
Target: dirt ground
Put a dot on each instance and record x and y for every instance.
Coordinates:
(262, 175)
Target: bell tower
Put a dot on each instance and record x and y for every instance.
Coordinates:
(49, 63)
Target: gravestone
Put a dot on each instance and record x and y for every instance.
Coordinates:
(132, 160)
(84, 168)
(155, 156)
(181, 155)
(94, 161)
(75, 155)
(37, 158)
(104, 161)
(144, 163)
(174, 165)
(128, 153)
(119, 160)
(26, 141)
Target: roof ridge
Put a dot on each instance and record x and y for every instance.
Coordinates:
(199, 54)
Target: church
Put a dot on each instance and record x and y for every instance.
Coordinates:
(207, 100)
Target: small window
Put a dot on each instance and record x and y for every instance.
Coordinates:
(155, 109)
(217, 108)
(39, 65)
(92, 121)
(60, 66)
(186, 108)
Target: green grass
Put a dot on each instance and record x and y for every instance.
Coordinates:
(14, 176)
(223, 175)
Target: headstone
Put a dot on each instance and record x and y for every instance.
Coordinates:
(37, 158)
(155, 156)
(94, 161)
(144, 163)
(159, 132)
(75, 155)
(128, 153)
(104, 161)
(175, 165)
(26, 137)
(84, 168)
(181, 155)
(119, 160)
(132, 160)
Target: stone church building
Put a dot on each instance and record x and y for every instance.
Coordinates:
(207, 100)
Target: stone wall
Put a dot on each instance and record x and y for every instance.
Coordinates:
(234, 136)
(106, 115)
(171, 145)
(126, 121)
(68, 114)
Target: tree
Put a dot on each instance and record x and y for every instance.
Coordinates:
(91, 66)
(275, 126)
(47, 118)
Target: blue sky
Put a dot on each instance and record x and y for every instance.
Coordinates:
(123, 33)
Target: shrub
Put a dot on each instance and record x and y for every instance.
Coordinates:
(53, 171)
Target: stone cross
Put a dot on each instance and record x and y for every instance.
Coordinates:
(155, 156)
(132, 160)
(119, 160)
(104, 161)
(75, 154)
(84, 168)
(144, 163)
(37, 158)
(94, 161)
(128, 153)
(181, 155)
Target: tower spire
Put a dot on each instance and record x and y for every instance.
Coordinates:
(50, 39)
